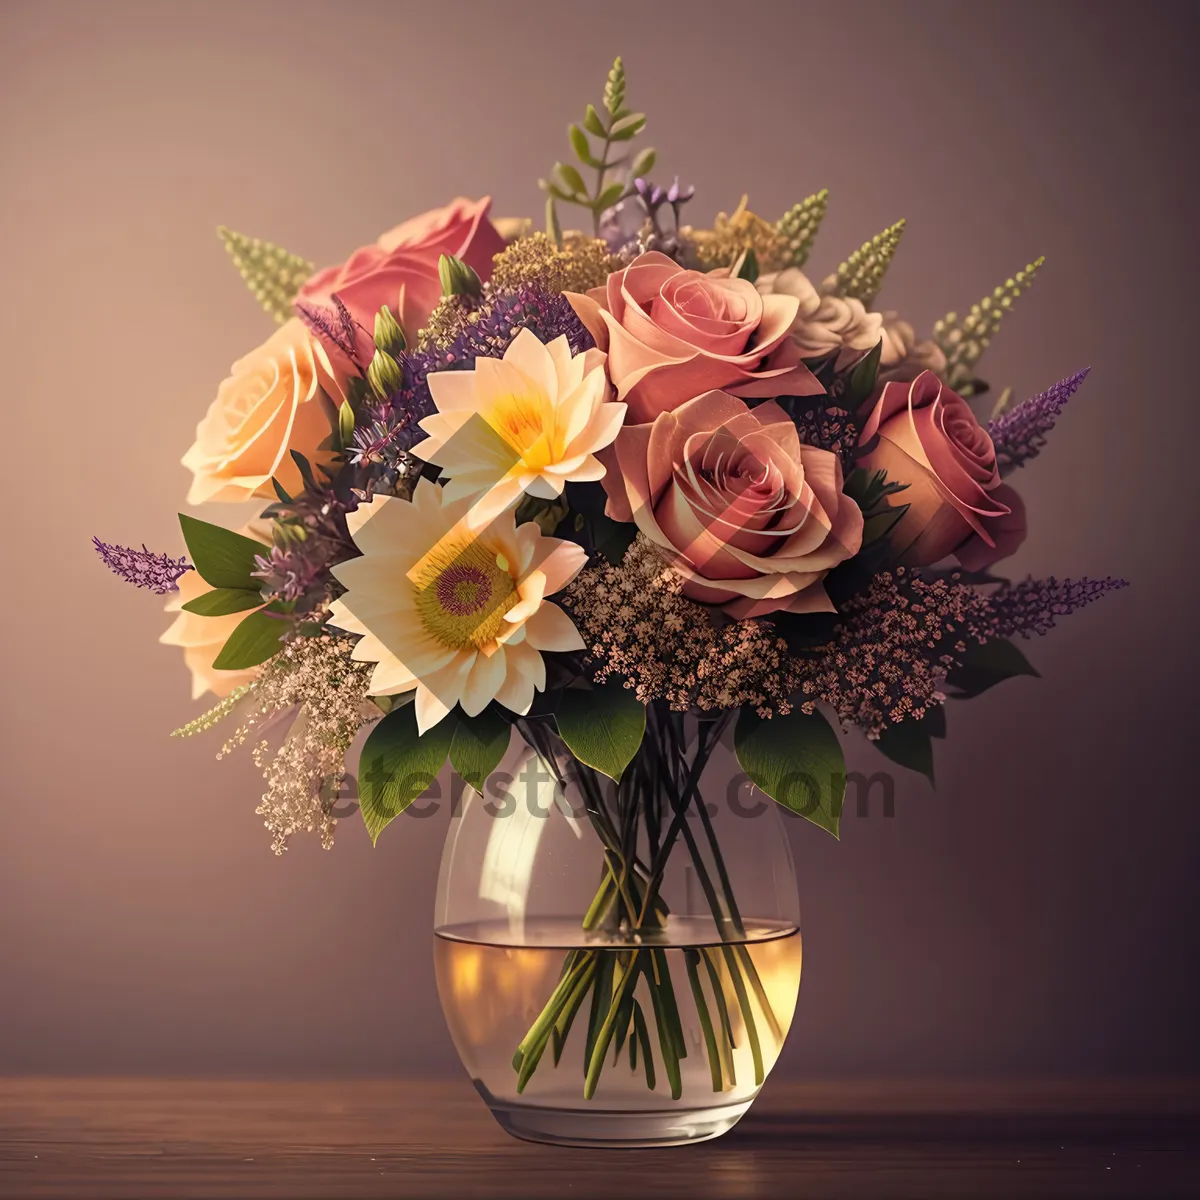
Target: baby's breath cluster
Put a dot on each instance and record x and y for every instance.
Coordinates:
(637, 624)
(314, 686)
(889, 659)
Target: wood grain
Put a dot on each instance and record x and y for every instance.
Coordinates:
(347, 1139)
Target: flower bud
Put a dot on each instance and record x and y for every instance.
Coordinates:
(384, 375)
(457, 278)
(389, 337)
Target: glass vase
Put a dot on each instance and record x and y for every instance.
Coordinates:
(618, 963)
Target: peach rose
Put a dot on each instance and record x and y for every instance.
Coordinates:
(749, 516)
(924, 435)
(673, 334)
(401, 270)
(825, 323)
(203, 638)
(281, 397)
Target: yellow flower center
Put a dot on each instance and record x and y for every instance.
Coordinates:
(463, 589)
(526, 423)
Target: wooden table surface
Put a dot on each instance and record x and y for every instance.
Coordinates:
(149, 1138)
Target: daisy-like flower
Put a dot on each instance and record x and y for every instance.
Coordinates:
(529, 422)
(452, 608)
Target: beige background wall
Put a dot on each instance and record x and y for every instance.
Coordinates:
(1035, 914)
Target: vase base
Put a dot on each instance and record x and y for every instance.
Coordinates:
(614, 1128)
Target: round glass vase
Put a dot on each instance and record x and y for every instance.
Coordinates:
(618, 963)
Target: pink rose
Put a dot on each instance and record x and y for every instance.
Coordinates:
(749, 516)
(924, 435)
(673, 334)
(401, 270)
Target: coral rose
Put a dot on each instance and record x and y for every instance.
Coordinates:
(825, 324)
(279, 398)
(401, 271)
(203, 638)
(924, 435)
(673, 334)
(749, 516)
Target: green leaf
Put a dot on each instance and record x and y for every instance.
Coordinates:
(592, 122)
(797, 760)
(222, 558)
(985, 666)
(579, 144)
(644, 163)
(273, 276)
(305, 468)
(608, 197)
(553, 226)
(862, 378)
(569, 179)
(746, 266)
(346, 423)
(398, 765)
(880, 524)
(220, 602)
(627, 127)
(478, 746)
(280, 491)
(909, 744)
(602, 727)
(612, 538)
(256, 639)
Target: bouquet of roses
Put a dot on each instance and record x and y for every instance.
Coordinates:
(618, 490)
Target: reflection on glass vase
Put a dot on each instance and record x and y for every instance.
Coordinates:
(618, 963)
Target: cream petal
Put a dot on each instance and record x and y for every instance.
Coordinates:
(453, 390)
(526, 673)
(531, 589)
(390, 677)
(551, 629)
(529, 355)
(564, 561)
(603, 427)
(439, 691)
(484, 681)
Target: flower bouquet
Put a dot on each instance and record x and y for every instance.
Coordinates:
(610, 500)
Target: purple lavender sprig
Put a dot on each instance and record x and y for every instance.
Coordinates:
(1034, 605)
(1020, 433)
(158, 573)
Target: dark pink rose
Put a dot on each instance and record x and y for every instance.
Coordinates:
(926, 436)
(401, 270)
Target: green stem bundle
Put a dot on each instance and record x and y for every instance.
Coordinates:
(653, 799)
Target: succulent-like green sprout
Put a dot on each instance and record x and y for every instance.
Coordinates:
(272, 274)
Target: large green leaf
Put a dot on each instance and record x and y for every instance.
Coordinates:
(602, 726)
(987, 665)
(797, 760)
(221, 602)
(398, 765)
(478, 746)
(256, 639)
(221, 557)
(909, 743)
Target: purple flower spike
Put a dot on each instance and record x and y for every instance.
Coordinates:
(1020, 433)
(1034, 605)
(642, 186)
(143, 568)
